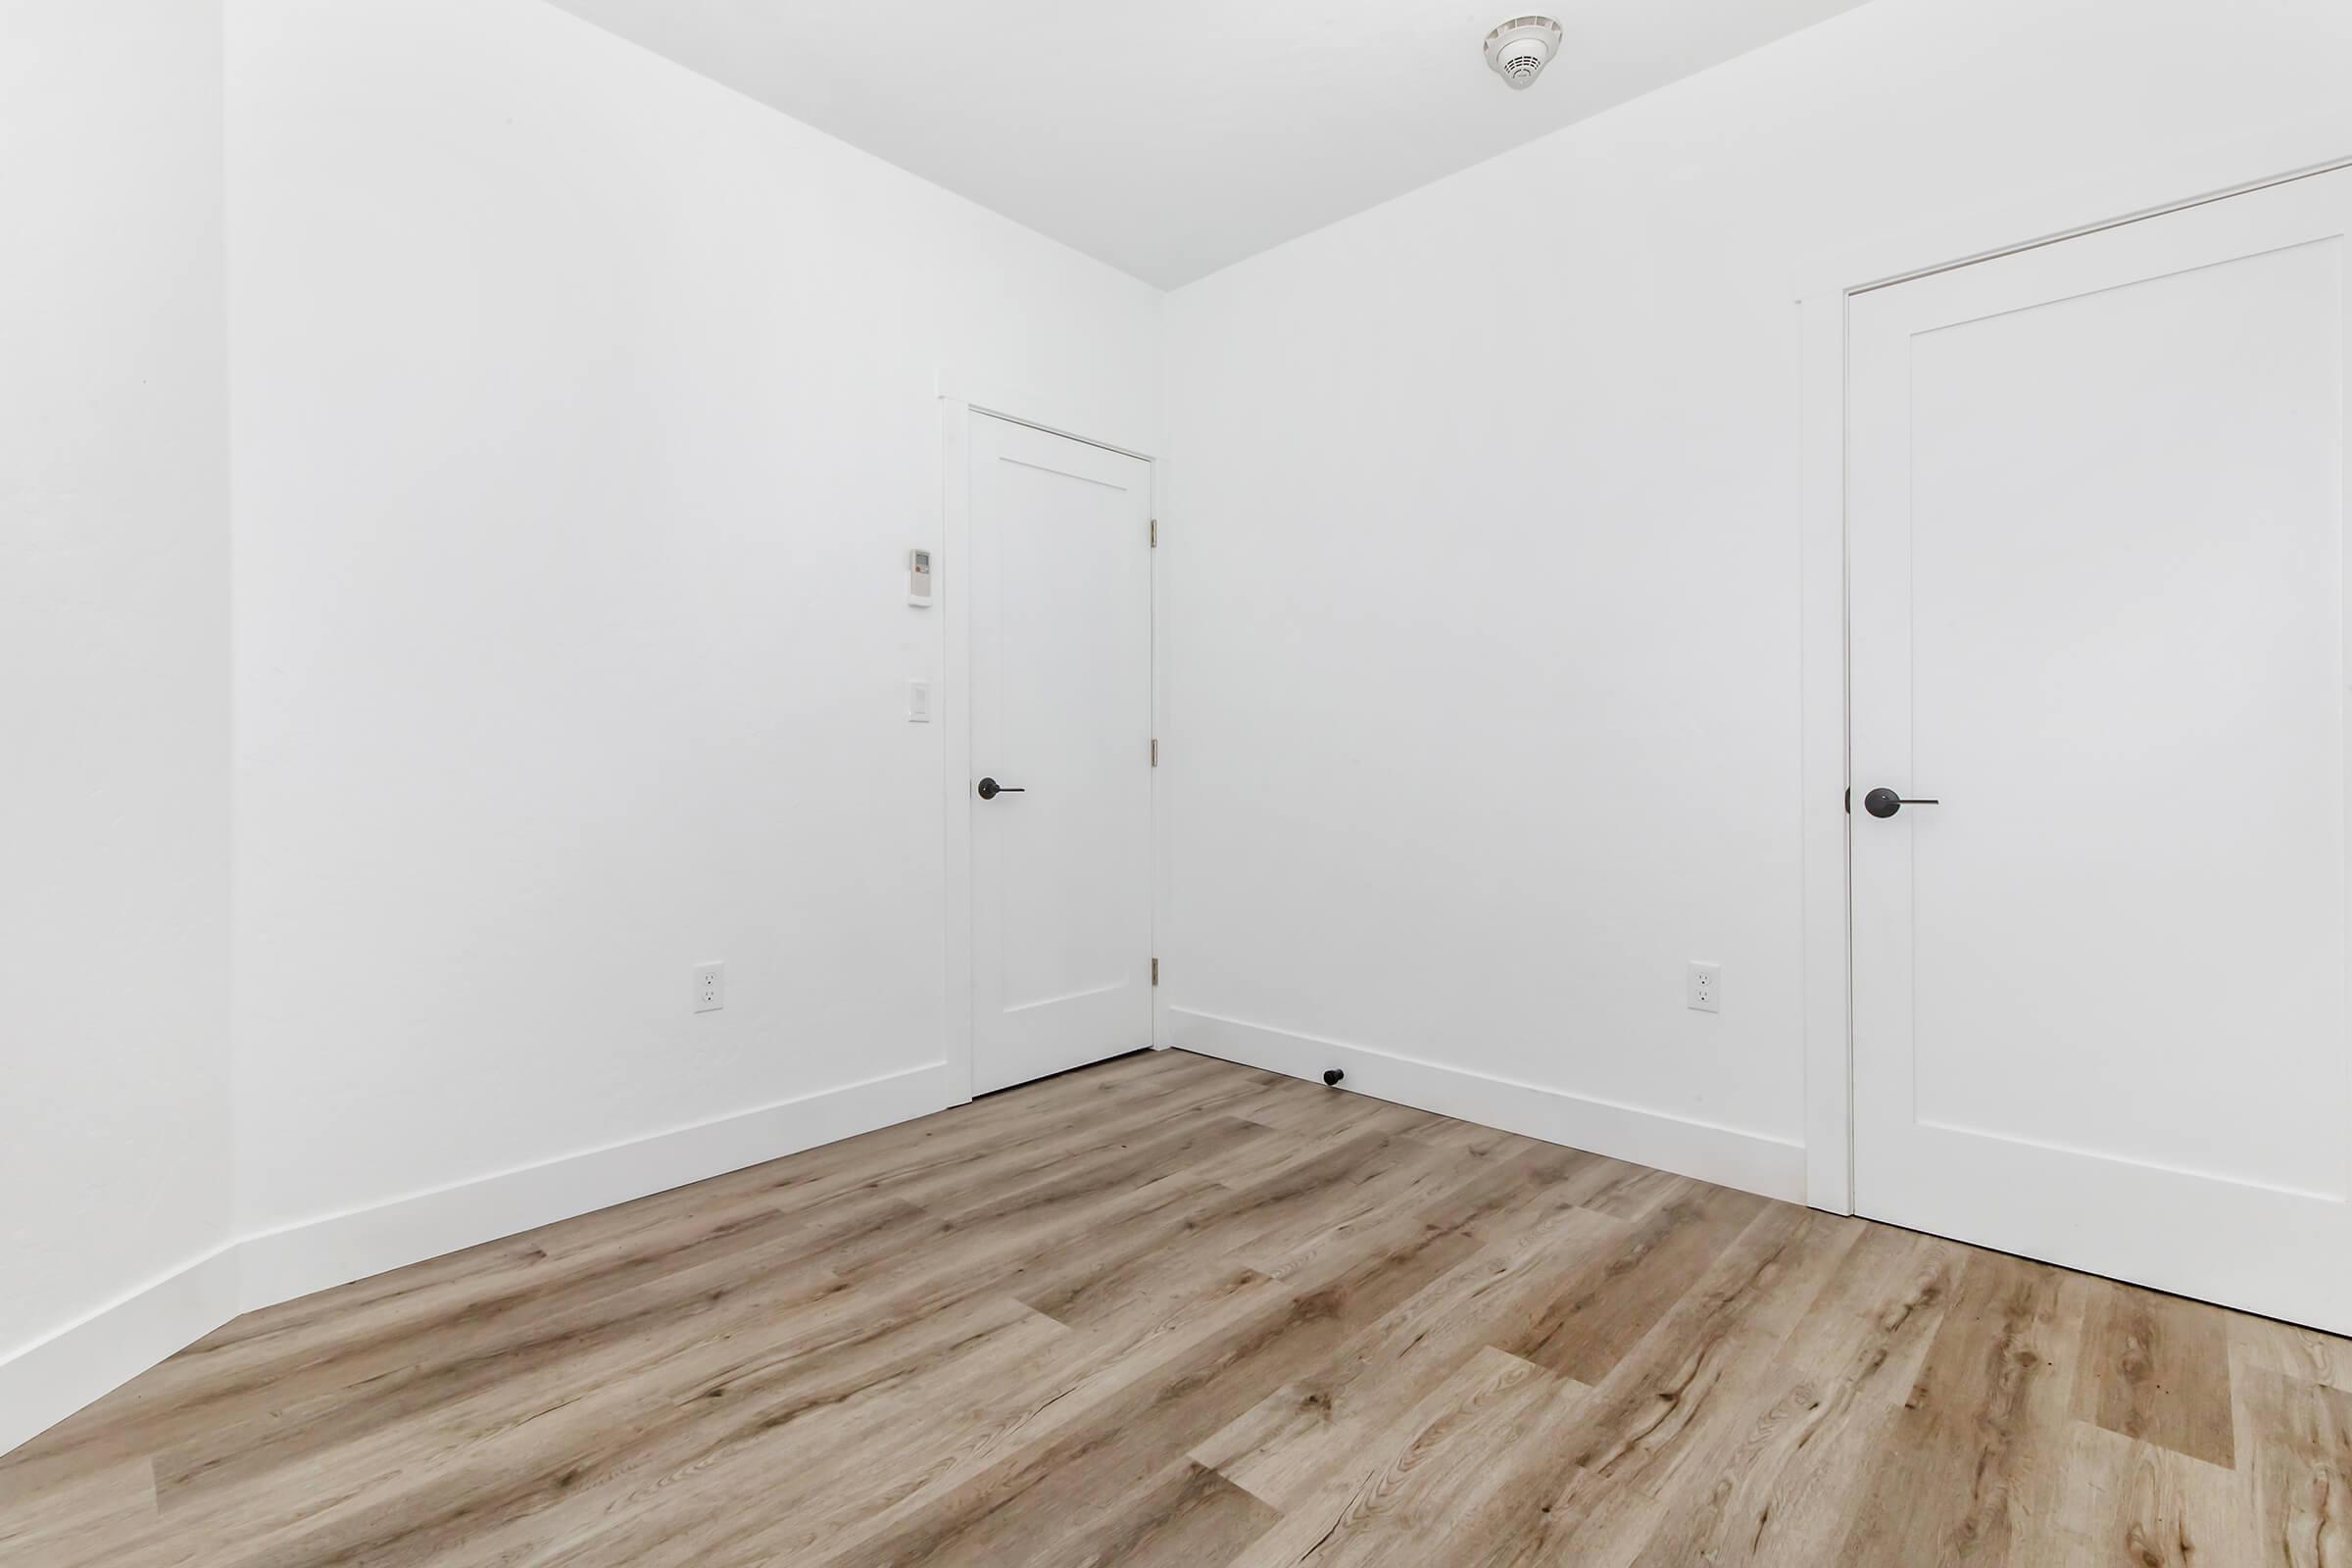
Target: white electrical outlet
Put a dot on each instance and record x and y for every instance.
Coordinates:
(1703, 987)
(709, 986)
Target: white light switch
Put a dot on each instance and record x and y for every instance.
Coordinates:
(918, 702)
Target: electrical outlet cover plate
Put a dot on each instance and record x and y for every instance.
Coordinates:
(1703, 987)
(709, 986)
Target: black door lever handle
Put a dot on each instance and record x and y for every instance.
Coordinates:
(990, 789)
(1886, 803)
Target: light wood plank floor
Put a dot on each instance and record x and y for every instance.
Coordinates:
(1175, 1311)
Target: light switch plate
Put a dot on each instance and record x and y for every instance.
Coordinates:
(918, 702)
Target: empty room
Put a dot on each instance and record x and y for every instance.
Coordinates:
(789, 784)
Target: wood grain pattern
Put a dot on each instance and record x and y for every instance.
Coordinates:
(1175, 1311)
(2164, 1368)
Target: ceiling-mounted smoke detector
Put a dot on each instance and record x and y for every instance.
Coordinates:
(1521, 47)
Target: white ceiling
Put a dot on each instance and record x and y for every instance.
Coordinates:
(1172, 138)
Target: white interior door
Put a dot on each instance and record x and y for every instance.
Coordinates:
(2097, 524)
(1062, 737)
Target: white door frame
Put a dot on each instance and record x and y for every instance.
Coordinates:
(1824, 289)
(958, 403)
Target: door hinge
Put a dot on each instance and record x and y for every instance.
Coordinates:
(1155, 533)
(1155, 972)
(1155, 751)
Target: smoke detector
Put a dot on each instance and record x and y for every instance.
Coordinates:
(1521, 47)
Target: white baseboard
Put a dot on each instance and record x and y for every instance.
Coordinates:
(337, 1249)
(1725, 1155)
(44, 1384)
(48, 1381)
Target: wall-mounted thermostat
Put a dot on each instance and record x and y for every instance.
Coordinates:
(919, 578)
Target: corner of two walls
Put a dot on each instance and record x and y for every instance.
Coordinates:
(114, 943)
(575, 456)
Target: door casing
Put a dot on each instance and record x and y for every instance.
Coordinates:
(953, 710)
(1825, 289)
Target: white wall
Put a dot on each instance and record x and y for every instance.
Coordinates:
(584, 415)
(113, 675)
(1482, 552)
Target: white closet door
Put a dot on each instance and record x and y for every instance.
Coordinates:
(2097, 519)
